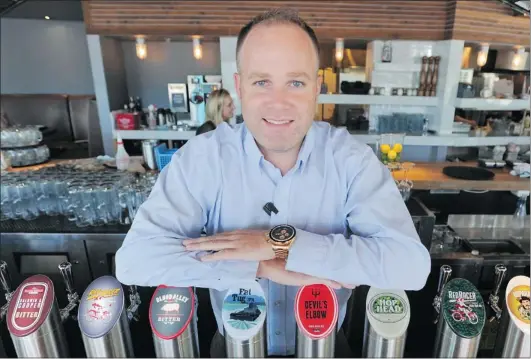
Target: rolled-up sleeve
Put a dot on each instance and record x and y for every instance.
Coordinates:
(177, 209)
(384, 249)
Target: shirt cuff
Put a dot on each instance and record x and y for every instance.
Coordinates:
(307, 253)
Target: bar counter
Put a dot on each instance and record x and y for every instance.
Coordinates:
(425, 176)
(429, 175)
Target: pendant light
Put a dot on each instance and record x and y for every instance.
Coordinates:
(340, 47)
(482, 55)
(141, 48)
(197, 48)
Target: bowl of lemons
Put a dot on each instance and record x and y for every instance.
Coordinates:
(390, 147)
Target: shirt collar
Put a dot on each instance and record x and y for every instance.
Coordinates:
(255, 155)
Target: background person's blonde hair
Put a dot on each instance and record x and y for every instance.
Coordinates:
(214, 105)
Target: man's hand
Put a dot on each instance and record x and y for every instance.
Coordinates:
(247, 245)
(274, 270)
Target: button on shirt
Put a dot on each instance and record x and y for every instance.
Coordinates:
(352, 225)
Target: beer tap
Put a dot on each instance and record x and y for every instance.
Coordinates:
(444, 275)
(134, 303)
(5, 281)
(499, 272)
(73, 298)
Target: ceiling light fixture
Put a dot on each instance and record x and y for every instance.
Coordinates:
(482, 55)
(47, 17)
(340, 47)
(198, 49)
(141, 48)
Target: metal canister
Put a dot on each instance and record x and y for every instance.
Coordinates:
(34, 320)
(148, 152)
(103, 320)
(462, 319)
(244, 315)
(172, 319)
(517, 302)
(386, 323)
(316, 314)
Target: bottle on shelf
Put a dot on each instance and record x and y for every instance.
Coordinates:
(131, 104)
(122, 157)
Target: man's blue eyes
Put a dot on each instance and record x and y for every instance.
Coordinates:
(294, 83)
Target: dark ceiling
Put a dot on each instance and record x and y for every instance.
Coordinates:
(69, 10)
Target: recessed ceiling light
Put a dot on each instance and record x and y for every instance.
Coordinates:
(47, 17)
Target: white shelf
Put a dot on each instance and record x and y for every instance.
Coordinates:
(155, 135)
(492, 104)
(342, 99)
(456, 140)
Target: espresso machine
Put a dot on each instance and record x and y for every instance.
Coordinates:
(199, 88)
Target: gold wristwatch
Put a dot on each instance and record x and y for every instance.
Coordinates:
(281, 238)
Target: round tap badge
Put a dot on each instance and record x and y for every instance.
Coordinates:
(316, 310)
(244, 310)
(30, 305)
(100, 307)
(517, 300)
(170, 311)
(388, 312)
(463, 308)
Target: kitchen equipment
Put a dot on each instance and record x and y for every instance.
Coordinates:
(386, 322)
(161, 117)
(148, 153)
(178, 96)
(316, 313)
(199, 87)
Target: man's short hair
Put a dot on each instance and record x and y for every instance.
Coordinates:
(276, 16)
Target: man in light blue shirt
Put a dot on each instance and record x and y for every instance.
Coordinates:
(351, 225)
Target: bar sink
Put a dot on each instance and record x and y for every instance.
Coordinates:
(492, 246)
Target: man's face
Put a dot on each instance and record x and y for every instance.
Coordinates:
(278, 85)
(525, 303)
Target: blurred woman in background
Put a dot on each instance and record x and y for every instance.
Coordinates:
(219, 108)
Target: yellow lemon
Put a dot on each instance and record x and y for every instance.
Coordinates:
(391, 155)
(397, 147)
(385, 148)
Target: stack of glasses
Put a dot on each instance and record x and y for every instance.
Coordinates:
(88, 198)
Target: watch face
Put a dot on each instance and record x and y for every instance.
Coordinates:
(282, 233)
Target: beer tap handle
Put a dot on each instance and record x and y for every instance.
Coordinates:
(73, 298)
(499, 274)
(5, 280)
(444, 275)
(66, 271)
(134, 303)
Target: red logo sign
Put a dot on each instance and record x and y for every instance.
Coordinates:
(316, 310)
(30, 305)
